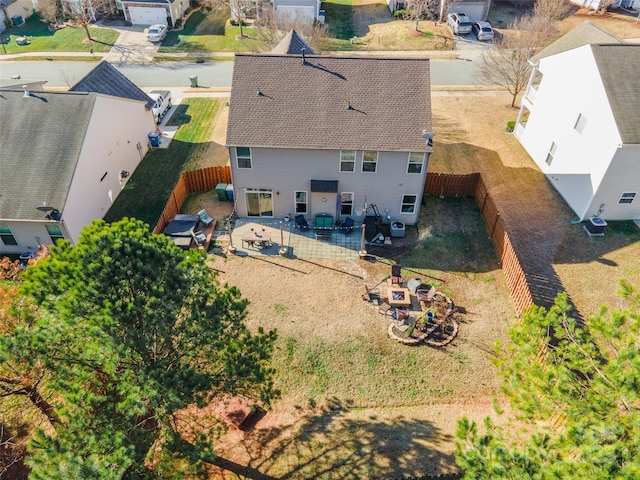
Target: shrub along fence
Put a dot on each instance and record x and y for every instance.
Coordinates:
(189, 182)
(472, 184)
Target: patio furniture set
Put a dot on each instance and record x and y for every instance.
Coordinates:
(190, 231)
(256, 238)
(323, 225)
(419, 313)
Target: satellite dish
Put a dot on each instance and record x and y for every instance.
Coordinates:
(44, 208)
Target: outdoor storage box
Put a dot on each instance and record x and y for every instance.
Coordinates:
(221, 190)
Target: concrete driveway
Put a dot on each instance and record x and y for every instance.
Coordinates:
(131, 46)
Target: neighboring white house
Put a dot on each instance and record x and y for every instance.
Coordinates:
(313, 134)
(580, 123)
(294, 11)
(65, 158)
(598, 4)
(150, 12)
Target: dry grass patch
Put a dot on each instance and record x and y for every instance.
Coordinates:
(401, 35)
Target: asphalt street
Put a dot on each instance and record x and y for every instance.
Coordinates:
(461, 71)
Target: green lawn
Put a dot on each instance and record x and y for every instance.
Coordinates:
(209, 30)
(150, 186)
(68, 39)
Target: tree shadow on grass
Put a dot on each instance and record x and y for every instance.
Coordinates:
(341, 443)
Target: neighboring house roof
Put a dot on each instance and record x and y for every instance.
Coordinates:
(162, 2)
(42, 136)
(584, 34)
(292, 44)
(106, 79)
(619, 66)
(330, 102)
(13, 84)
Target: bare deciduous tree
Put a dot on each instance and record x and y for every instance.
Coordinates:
(508, 64)
(50, 10)
(422, 9)
(83, 12)
(240, 10)
(270, 28)
(551, 9)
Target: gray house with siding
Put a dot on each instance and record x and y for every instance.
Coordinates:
(314, 134)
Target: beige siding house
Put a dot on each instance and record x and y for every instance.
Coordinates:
(313, 134)
(62, 161)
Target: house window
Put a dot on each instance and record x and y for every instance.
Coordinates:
(346, 203)
(552, 152)
(627, 197)
(301, 201)
(416, 160)
(347, 160)
(370, 161)
(243, 157)
(5, 234)
(55, 232)
(408, 203)
(580, 123)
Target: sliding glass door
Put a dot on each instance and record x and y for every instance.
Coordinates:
(259, 203)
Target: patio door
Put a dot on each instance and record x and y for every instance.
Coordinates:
(259, 203)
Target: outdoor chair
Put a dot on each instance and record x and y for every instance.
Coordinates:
(347, 226)
(199, 237)
(301, 223)
(426, 296)
(400, 314)
(205, 219)
(396, 275)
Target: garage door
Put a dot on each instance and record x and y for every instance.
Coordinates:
(475, 11)
(304, 14)
(147, 15)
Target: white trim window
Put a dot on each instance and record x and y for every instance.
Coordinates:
(369, 161)
(409, 203)
(416, 161)
(55, 233)
(6, 235)
(347, 160)
(243, 157)
(346, 203)
(580, 123)
(301, 202)
(552, 152)
(627, 198)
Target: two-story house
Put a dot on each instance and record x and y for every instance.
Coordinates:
(313, 134)
(65, 158)
(580, 124)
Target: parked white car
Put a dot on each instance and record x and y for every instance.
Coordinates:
(459, 23)
(157, 33)
(483, 30)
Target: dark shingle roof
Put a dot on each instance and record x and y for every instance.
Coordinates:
(619, 67)
(42, 136)
(292, 44)
(583, 34)
(330, 102)
(106, 79)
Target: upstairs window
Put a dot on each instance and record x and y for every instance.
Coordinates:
(55, 232)
(552, 152)
(347, 160)
(6, 235)
(627, 197)
(580, 123)
(416, 161)
(243, 157)
(370, 162)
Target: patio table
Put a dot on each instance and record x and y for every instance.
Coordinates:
(251, 237)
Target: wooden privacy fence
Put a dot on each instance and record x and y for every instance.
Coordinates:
(189, 182)
(472, 184)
